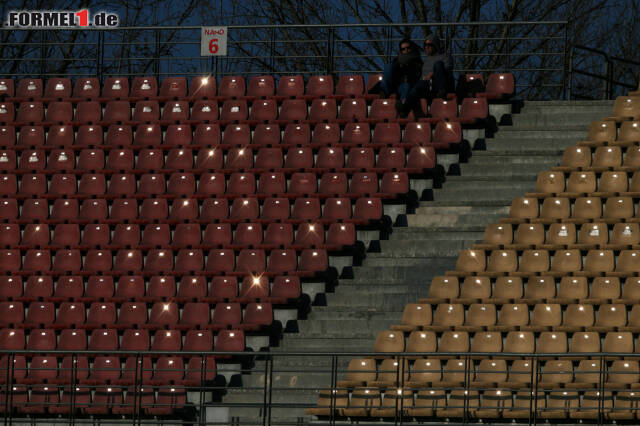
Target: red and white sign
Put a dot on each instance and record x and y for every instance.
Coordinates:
(213, 41)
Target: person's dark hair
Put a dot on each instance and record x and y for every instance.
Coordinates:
(412, 45)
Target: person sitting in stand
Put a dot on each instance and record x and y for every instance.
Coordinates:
(437, 69)
(401, 76)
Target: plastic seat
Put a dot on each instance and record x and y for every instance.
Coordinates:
(443, 109)
(293, 110)
(387, 134)
(7, 115)
(519, 342)
(323, 110)
(447, 133)
(360, 158)
(195, 315)
(30, 112)
(529, 234)
(7, 87)
(350, 85)
(115, 87)
(253, 289)
(389, 341)
(296, 134)
(278, 234)
(202, 87)
(356, 133)
(382, 110)
(59, 112)
(41, 340)
(173, 87)
(144, 87)
(98, 261)
(284, 289)
(251, 260)
(148, 134)
(282, 260)
(319, 86)
(474, 109)
(129, 287)
(263, 110)
(202, 340)
(290, 86)
(12, 339)
(305, 209)
(231, 87)
(447, 316)
(272, 183)
(524, 208)
(309, 234)
(453, 341)
(31, 136)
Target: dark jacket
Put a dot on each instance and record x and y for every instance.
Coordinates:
(408, 66)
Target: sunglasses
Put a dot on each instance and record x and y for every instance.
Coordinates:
(405, 49)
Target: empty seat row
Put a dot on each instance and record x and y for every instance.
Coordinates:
(607, 133)
(108, 369)
(498, 85)
(585, 182)
(107, 340)
(577, 210)
(154, 289)
(561, 235)
(242, 235)
(216, 261)
(211, 135)
(236, 111)
(602, 158)
(201, 315)
(417, 159)
(538, 317)
(484, 373)
(521, 343)
(102, 400)
(205, 184)
(538, 289)
(555, 263)
(207, 210)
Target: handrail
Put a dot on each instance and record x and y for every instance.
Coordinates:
(607, 78)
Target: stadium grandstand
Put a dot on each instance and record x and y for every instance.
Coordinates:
(259, 238)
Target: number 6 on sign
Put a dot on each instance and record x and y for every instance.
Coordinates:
(213, 41)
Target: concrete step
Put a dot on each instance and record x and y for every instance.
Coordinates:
(473, 183)
(342, 326)
(327, 344)
(460, 222)
(491, 156)
(478, 192)
(500, 170)
(415, 273)
(420, 248)
(556, 120)
(405, 235)
(363, 300)
(575, 133)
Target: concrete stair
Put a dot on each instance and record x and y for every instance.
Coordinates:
(401, 271)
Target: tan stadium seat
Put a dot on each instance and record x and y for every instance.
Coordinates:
(489, 373)
(581, 182)
(486, 341)
(612, 183)
(617, 209)
(453, 341)
(442, 289)
(533, 261)
(421, 341)
(555, 373)
(362, 401)
(577, 317)
(560, 403)
(474, 289)
(625, 108)
(592, 404)
(604, 290)
(633, 323)
(390, 373)
(502, 262)
(414, 317)
(610, 317)
(600, 132)
(461, 403)
(359, 372)
(634, 185)
(575, 158)
(454, 373)
(520, 342)
(623, 373)
(571, 290)
(495, 236)
(624, 236)
(628, 263)
(519, 375)
(396, 402)
(554, 209)
(446, 317)
(606, 157)
(389, 341)
(625, 406)
(587, 374)
(597, 262)
(470, 261)
(628, 133)
(630, 291)
(586, 209)
(330, 402)
(618, 342)
(548, 183)
(425, 373)
(479, 316)
(522, 209)
(566, 261)
(592, 235)
(428, 403)
(512, 317)
(544, 316)
(507, 289)
(493, 403)
(528, 235)
(559, 236)
(523, 404)
(584, 342)
(551, 342)
(539, 289)
(631, 161)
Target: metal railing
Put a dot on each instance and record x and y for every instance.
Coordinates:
(618, 75)
(276, 398)
(536, 52)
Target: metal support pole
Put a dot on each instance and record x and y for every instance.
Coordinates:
(564, 68)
